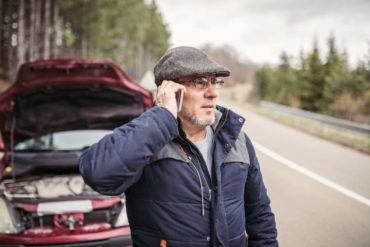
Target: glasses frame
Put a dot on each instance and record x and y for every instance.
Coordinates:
(202, 83)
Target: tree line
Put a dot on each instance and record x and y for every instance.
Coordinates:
(324, 85)
(129, 32)
(242, 70)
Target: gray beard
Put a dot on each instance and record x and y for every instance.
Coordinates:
(196, 121)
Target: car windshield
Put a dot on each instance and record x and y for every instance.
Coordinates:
(62, 141)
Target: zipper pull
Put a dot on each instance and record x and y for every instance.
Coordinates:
(201, 187)
(210, 194)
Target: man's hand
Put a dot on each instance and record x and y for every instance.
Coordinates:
(166, 95)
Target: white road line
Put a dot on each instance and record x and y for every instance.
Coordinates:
(312, 175)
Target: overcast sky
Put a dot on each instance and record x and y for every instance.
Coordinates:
(261, 29)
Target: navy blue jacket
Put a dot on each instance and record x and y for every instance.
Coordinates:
(169, 192)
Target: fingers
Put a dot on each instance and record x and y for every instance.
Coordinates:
(166, 95)
(170, 87)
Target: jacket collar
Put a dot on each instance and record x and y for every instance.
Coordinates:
(228, 122)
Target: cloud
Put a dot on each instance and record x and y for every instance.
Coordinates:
(261, 30)
(303, 10)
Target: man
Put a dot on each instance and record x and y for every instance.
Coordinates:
(191, 178)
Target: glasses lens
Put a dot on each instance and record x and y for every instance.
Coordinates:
(218, 83)
(200, 83)
(203, 82)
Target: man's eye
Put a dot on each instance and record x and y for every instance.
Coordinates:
(218, 80)
(202, 80)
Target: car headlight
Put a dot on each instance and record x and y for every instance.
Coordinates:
(122, 219)
(9, 222)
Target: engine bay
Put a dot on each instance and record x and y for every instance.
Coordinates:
(47, 187)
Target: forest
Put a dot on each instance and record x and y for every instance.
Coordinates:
(129, 32)
(317, 82)
(133, 34)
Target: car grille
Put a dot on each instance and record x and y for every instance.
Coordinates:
(32, 220)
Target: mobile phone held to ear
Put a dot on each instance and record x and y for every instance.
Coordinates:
(179, 99)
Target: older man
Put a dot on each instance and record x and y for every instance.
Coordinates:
(191, 178)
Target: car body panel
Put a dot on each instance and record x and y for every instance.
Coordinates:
(44, 92)
(53, 96)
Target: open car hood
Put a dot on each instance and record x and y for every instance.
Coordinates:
(68, 94)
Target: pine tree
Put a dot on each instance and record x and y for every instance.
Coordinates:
(286, 83)
(312, 88)
(337, 76)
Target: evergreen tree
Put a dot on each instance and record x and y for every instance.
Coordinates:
(285, 84)
(264, 77)
(329, 87)
(129, 32)
(337, 77)
(313, 86)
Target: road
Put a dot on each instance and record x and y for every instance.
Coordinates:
(308, 211)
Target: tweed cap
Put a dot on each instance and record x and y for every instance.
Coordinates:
(186, 61)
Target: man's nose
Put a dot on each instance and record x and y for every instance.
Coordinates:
(211, 91)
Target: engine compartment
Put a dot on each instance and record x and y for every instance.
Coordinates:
(48, 187)
(56, 205)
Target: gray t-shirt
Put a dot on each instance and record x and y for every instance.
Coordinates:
(205, 148)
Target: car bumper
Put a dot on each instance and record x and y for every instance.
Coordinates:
(113, 242)
(115, 237)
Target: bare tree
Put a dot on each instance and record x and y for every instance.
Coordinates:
(37, 30)
(242, 71)
(32, 26)
(6, 37)
(55, 29)
(47, 30)
(12, 54)
(21, 49)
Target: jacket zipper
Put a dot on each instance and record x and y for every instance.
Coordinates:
(201, 172)
(199, 178)
(201, 185)
(198, 173)
(209, 187)
(219, 126)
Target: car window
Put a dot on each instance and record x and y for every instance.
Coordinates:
(64, 140)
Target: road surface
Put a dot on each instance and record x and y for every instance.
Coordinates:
(319, 190)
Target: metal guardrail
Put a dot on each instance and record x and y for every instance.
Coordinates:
(345, 124)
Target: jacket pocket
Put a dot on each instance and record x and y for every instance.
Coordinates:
(233, 179)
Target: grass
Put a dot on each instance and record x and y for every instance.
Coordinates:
(357, 141)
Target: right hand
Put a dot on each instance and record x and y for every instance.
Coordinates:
(166, 95)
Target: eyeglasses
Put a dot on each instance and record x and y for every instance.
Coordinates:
(203, 82)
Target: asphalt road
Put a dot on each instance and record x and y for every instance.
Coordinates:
(308, 211)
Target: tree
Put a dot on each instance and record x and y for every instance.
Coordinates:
(312, 87)
(337, 76)
(130, 32)
(264, 77)
(286, 83)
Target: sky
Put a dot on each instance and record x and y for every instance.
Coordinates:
(261, 30)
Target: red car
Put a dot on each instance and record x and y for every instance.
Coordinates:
(55, 110)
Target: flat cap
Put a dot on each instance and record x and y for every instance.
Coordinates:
(186, 61)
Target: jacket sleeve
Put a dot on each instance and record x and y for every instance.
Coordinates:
(116, 162)
(260, 221)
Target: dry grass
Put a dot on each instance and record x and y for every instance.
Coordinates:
(358, 141)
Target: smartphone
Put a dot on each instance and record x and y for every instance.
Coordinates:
(179, 99)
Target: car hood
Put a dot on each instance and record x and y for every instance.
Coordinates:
(68, 94)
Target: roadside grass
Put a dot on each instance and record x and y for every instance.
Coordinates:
(357, 141)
